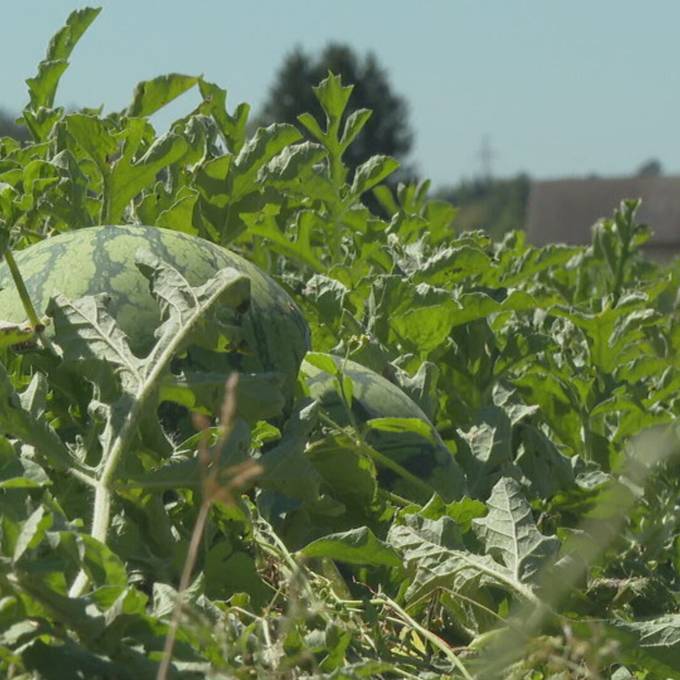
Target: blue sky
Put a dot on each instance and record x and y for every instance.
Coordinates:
(560, 87)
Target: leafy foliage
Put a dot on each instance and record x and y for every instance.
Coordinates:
(531, 532)
(379, 125)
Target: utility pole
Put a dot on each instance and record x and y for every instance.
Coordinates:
(486, 156)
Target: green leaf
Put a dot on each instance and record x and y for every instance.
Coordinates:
(15, 334)
(19, 472)
(152, 95)
(266, 227)
(19, 422)
(435, 558)
(180, 472)
(233, 128)
(421, 315)
(293, 165)
(652, 644)
(263, 147)
(372, 172)
(354, 125)
(403, 425)
(548, 470)
(32, 532)
(350, 476)
(69, 660)
(488, 455)
(103, 566)
(229, 571)
(358, 546)
(42, 88)
(62, 43)
(323, 362)
(180, 215)
(129, 177)
(333, 96)
(94, 138)
(87, 334)
(509, 532)
(312, 126)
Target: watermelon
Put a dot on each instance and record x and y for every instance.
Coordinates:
(102, 260)
(376, 397)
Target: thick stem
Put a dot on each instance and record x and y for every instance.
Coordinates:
(105, 212)
(26, 300)
(21, 289)
(159, 359)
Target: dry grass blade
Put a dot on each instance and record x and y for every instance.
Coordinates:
(217, 486)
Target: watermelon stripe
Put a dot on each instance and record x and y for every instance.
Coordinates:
(101, 260)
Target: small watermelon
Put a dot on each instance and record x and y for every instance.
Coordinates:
(102, 260)
(376, 397)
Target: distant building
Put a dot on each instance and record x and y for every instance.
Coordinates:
(563, 211)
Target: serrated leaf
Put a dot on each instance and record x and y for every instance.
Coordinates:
(88, 335)
(333, 95)
(435, 558)
(129, 177)
(263, 147)
(232, 127)
(93, 137)
(509, 532)
(87, 332)
(292, 164)
(14, 334)
(62, 43)
(372, 172)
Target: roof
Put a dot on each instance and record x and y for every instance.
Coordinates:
(563, 211)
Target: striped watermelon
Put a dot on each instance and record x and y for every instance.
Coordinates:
(101, 260)
(376, 397)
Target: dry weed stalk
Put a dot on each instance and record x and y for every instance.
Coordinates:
(217, 486)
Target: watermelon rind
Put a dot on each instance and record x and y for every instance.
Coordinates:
(373, 396)
(101, 259)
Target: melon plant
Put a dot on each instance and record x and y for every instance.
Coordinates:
(101, 260)
(394, 424)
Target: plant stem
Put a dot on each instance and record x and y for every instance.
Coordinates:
(21, 289)
(159, 359)
(26, 300)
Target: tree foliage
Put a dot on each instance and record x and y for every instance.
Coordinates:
(387, 131)
(9, 128)
(495, 205)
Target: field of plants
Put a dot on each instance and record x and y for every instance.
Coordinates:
(403, 452)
